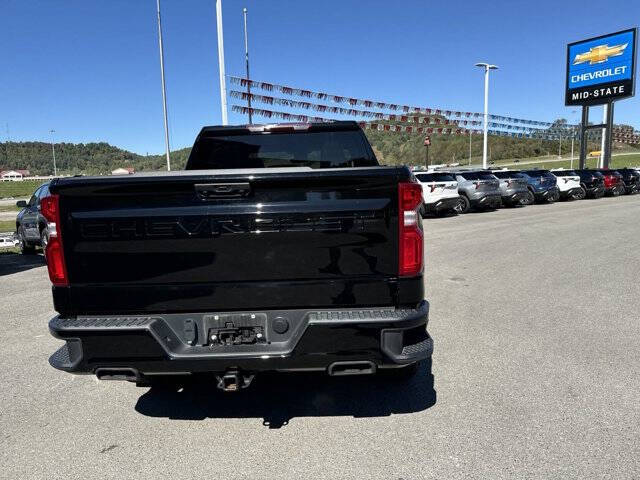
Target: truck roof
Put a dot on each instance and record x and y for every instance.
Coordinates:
(337, 125)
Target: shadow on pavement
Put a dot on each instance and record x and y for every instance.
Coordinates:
(11, 263)
(279, 397)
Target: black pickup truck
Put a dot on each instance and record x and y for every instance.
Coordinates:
(279, 248)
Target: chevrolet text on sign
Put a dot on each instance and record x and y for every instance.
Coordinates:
(601, 69)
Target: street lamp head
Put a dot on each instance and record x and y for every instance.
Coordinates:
(487, 66)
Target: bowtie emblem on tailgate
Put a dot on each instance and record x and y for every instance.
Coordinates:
(222, 190)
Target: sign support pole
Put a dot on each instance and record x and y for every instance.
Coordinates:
(606, 159)
(583, 136)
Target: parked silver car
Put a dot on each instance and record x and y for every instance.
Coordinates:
(513, 188)
(478, 189)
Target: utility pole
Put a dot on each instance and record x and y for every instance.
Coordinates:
(469, 147)
(6, 146)
(53, 152)
(572, 139)
(486, 67)
(164, 91)
(223, 87)
(246, 58)
(560, 146)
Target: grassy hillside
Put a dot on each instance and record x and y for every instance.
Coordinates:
(76, 158)
(407, 148)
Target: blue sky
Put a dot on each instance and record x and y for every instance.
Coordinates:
(90, 69)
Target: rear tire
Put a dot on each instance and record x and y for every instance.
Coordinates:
(581, 195)
(529, 198)
(25, 247)
(464, 206)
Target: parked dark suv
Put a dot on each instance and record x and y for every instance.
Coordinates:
(592, 181)
(542, 185)
(631, 179)
(31, 226)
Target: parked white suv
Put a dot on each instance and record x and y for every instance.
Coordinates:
(569, 184)
(8, 242)
(439, 191)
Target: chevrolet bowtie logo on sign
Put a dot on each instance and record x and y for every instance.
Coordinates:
(601, 69)
(599, 54)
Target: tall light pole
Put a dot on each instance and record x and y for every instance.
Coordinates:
(246, 58)
(487, 67)
(164, 91)
(223, 87)
(560, 145)
(53, 153)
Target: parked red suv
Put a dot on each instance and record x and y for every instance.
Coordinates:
(613, 182)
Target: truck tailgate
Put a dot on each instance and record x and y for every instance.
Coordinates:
(202, 240)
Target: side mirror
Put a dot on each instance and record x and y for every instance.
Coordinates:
(21, 203)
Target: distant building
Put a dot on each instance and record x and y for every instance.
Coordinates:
(123, 171)
(13, 175)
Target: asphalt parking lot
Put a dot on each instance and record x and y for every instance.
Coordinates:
(536, 374)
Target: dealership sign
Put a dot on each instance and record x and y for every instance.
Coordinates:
(601, 69)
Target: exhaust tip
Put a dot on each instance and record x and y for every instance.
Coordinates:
(337, 369)
(122, 374)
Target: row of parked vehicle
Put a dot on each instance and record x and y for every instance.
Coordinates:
(460, 190)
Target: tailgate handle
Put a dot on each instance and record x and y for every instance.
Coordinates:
(222, 190)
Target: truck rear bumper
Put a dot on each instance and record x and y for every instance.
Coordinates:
(286, 340)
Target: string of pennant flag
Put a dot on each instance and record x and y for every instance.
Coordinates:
(300, 92)
(455, 130)
(438, 121)
(352, 112)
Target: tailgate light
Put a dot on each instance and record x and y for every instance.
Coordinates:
(50, 209)
(410, 244)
